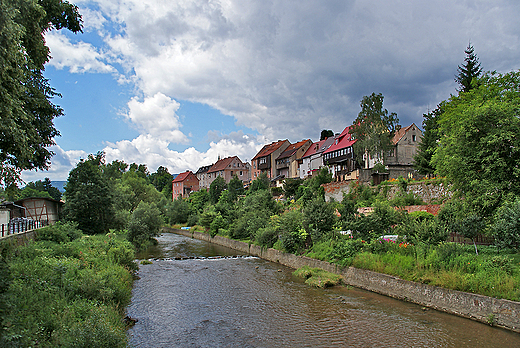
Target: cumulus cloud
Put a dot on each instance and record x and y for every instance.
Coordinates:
(61, 164)
(289, 70)
(156, 116)
(78, 57)
(154, 153)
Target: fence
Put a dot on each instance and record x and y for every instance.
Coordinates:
(19, 225)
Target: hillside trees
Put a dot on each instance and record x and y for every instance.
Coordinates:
(26, 108)
(479, 149)
(374, 127)
(429, 141)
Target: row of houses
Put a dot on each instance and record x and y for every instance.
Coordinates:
(281, 159)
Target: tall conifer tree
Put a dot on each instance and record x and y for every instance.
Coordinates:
(469, 70)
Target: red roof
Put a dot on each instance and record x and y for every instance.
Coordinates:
(344, 140)
(182, 176)
(269, 149)
(400, 133)
(318, 146)
(291, 149)
(222, 164)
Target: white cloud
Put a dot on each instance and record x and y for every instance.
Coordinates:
(78, 57)
(154, 153)
(61, 164)
(157, 117)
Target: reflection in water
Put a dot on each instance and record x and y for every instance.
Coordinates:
(249, 302)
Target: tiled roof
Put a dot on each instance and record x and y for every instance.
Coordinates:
(222, 164)
(400, 133)
(269, 149)
(182, 176)
(291, 149)
(319, 146)
(344, 140)
(203, 169)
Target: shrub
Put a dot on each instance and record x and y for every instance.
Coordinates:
(266, 237)
(317, 277)
(506, 228)
(145, 223)
(59, 232)
(217, 224)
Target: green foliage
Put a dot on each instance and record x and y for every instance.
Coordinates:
(311, 187)
(26, 110)
(178, 211)
(374, 127)
(69, 295)
(318, 277)
(198, 200)
(262, 182)
(479, 147)
(318, 218)
(289, 226)
(506, 228)
(326, 134)
(59, 232)
(291, 186)
(162, 181)
(469, 72)
(429, 141)
(266, 237)
(207, 218)
(89, 200)
(215, 189)
(217, 225)
(235, 188)
(145, 224)
(41, 189)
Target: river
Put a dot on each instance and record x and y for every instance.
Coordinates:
(197, 294)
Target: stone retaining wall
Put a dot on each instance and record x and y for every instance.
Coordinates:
(502, 313)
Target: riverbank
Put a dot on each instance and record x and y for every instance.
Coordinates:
(497, 312)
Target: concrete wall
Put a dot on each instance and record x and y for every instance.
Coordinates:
(502, 313)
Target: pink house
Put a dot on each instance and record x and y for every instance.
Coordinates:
(183, 184)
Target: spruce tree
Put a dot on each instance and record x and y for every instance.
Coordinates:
(469, 70)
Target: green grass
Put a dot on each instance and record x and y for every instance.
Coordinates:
(318, 277)
(67, 294)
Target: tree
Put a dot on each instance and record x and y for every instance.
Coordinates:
(215, 189)
(429, 141)
(470, 71)
(26, 110)
(145, 224)
(326, 134)
(479, 149)
(41, 189)
(89, 200)
(260, 183)
(235, 187)
(374, 127)
(161, 180)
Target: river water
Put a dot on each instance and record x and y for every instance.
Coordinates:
(190, 298)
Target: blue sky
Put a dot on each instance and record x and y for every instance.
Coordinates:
(179, 83)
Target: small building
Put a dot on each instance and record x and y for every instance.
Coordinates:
(202, 175)
(312, 160)
(400, 159)
(287, 164)
(184, 184)
(227, 168)
(265, 160)
(339, 157)
(42, 209)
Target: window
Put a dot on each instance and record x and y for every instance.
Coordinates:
(414, 138)
(240, 173)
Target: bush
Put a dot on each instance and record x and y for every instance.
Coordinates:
(59, 232)
(266, 237)
(216, 225)
(193, 220)
(145, 223)
(178, 211)
(506, 228)
(317, 277)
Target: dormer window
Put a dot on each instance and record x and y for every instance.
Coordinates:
(414, 138)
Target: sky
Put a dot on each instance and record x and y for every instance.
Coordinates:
(179, 83)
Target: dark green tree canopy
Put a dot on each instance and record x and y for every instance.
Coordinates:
(325, 134)
(479, 149)
(89, 200)
(374, 127)
(26, 110)
(470, 71)
(429, 141)
(215, 189)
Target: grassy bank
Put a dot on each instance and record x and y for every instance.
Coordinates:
(449, 265)
(66, 290)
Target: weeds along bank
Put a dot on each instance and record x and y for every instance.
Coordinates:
(65, 289)
(427, 279)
